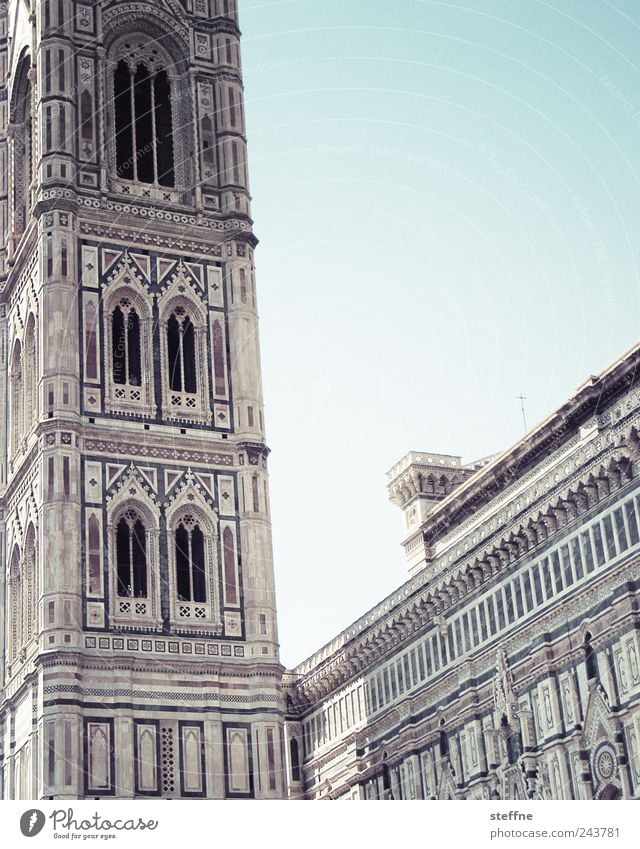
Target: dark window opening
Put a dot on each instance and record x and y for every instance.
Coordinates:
(118, 341)
(48, 129)
(182, 352)
(232, 108)
(590, 659)
(163, 128)
(131, 557)
(133, 348)
(144, 134)
(190, 568)
(125, 343)
(143, 125)
(295, 760)
(86, 116)
(124, 126)
(61, 73)
(444, 743)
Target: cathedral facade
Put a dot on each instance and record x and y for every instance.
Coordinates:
(139, 636)
(139, 624)
(508, 665)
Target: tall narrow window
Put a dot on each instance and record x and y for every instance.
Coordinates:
(124, 123)
(31, 375)
(144, 134)
(86, 116)
(143, 125)
(31, 588)
(17, 603)
(131, 555)
(181, 352)
(190, 566)
(125, 341)
(21, 116)
(590, 659)
(295, 760)
(163, 130)
(17, 400)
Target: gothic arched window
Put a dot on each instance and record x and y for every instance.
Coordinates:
(191, 582)
(143, 123)
(128, 352)
(131, 556)
(30, 375)
(23, 147)
(30, 585)
(17, 603)
(17, 399)
(181, 350)
(125, 344)
(184, 342)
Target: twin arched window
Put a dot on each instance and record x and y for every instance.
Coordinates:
(183, 339)
(143, 119)
(193, 584)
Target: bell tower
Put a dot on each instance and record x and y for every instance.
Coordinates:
(136, 592)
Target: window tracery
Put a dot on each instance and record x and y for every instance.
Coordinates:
(30, 376)
(129, 353)
(185, 366)
(131, 554)
(143, 120)
(190, 568)
(30, 586)
(149, 103)
(134, 568)
(193, 579)
(23, 147)
(17, 398)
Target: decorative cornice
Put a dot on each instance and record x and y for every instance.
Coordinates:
(582, 481)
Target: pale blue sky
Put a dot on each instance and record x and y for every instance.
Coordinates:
(448, 198)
